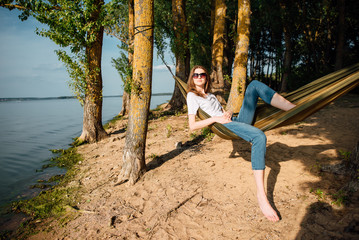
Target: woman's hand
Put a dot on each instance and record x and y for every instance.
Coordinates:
(228, 115)
(194, 125)
(223, 119)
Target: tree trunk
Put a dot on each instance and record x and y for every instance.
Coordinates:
(131, 32)
(287, 59)
(341, 33)
(125, 104)
(241, 57)
(134, 165)
(181, 50)
(228, 58)
(93, 130)
(218, 50)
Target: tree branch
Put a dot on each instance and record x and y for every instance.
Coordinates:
(19, 7)
(110, 33)
(12, 6)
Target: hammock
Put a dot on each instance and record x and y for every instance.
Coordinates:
(309, 99)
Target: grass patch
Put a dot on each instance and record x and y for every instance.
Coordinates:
(113, 122)
(345, 155)
(206, 133)
(161, 114)
(340, 198)
(57, 199)
(50, 203)
(169, 130)
(319, 193)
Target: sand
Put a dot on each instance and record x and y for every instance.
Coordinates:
(204, 189)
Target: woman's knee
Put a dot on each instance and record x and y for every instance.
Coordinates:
(260, 138)
(254, 83)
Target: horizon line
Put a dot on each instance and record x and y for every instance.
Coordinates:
(4, 99)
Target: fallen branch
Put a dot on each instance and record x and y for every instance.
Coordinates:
(179, 205)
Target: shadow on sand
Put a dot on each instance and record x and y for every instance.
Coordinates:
(322, 220)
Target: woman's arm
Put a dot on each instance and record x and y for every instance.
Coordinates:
(194, 125)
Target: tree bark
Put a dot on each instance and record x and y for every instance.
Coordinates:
(131, 33)
(93, 130)
(182, 53)
(134, 165)
(218, 50)
(241, 57)
(288, 47)
(125, 104)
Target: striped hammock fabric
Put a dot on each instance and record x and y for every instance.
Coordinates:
(309, 99)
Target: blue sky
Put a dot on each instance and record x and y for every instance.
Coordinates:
(29, 66)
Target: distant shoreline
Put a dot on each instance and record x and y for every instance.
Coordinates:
(63, 97)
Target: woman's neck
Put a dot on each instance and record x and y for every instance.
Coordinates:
(200, 90)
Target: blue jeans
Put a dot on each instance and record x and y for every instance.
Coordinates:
(241, 125)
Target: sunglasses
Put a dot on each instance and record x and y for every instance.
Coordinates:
(199, 75)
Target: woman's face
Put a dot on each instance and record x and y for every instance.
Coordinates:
(199, 77)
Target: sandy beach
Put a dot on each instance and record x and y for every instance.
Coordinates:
(199, 188)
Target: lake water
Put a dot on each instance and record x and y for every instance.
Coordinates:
(29, 129)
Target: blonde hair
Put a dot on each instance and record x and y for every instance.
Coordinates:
(191, 87)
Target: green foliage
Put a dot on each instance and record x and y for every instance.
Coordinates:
(345, 154)
(78, 71)
(340, 198)
(164, 25)
(206, 133)
(169, 130)
(119, 29)
(73, 25)
(227, 79)
(316, 168)
(319, 194)
(239, 89)
(153, 156)
(200, 37)
(160, 114)
(313, 34)
(113, 121)
(124, 68)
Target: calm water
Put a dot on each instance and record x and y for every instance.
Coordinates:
(29, 129)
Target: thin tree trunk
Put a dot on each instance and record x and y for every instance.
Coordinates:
(251, 68)
(341, 33)
(241, 57)
(267, 74)
(287, 59)
(228, 58)
(131, 32)
(93, 130)
(134, 165)
(181, 50)
(218, 50)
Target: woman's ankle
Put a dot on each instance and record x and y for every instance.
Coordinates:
(280, 102)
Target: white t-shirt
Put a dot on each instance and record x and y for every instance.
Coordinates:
(209, 104)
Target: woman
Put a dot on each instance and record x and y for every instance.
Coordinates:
(198, 96)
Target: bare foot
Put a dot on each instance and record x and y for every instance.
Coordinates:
(267, 209)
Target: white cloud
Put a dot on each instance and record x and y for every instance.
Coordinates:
(163, 67)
